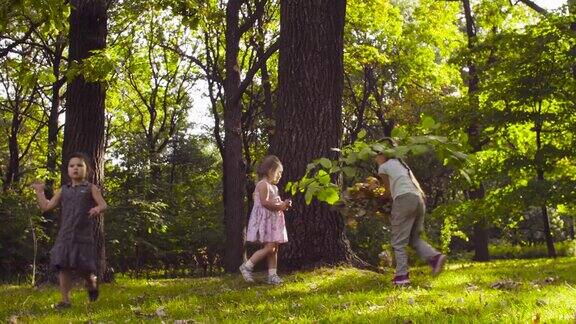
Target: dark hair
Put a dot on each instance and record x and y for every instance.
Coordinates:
(85, 159)
(271, 162)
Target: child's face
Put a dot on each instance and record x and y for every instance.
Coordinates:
(275, 174)
(77, 169)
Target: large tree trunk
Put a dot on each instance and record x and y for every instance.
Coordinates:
(480, 235)
(85, 102)
(234, 166)
(309, 124)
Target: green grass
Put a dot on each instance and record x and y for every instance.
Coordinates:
(499, 291)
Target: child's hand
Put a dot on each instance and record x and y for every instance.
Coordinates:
(287, 204)
(95, 211)
(38, 186)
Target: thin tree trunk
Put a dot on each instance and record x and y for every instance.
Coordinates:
(540, 176)
(234, 168)
(53, 127)
(480, 235)
(309, 124)
(266, 85)
(84, 129)
(13, 170)
(572, 11)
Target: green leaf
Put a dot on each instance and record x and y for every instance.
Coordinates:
(310, 166)
(323, 177)
(428, 122)
(308, 196)
(326, 163)
(349, 171)
(401, 151)
(351, 159)
(332, 195)
(419, 149)
(365, 153)
(362, 134)
(465, 175)
(399, 132)
(322, 194)
(378, 147)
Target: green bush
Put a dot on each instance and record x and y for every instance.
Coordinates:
(22, 227)
(530, 251)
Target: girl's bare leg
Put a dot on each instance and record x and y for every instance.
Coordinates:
(273, 257)
(263, 252)
(65, 280)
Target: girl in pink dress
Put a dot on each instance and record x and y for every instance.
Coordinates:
(266, 224)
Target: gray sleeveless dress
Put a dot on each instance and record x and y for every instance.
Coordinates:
(75, 248)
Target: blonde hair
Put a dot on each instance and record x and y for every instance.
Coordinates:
(269, 163)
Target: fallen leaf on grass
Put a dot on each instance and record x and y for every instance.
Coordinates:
(160, 312)
(471, 287)
(536, 318)
(507, 284)
(374, 308)
(544, 282)
(139, 299)
(450, 310)
(541, 302)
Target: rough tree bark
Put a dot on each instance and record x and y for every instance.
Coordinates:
(234, 176)
(234, 173)
(85, 103)
(309, 124)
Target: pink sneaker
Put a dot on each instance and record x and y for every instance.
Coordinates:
(401, 280)
(437, 263)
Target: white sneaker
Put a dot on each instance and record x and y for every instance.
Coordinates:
(274, 280)
(246, 273)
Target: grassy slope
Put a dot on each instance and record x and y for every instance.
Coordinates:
(528, 289)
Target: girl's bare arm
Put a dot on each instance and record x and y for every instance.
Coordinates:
(101, 205)
(265, 196)
(45, 204)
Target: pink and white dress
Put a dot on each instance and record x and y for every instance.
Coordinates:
(266, 226)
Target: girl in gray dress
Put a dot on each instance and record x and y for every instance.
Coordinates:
(75, 249)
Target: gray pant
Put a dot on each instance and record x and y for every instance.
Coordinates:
(407, 220)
